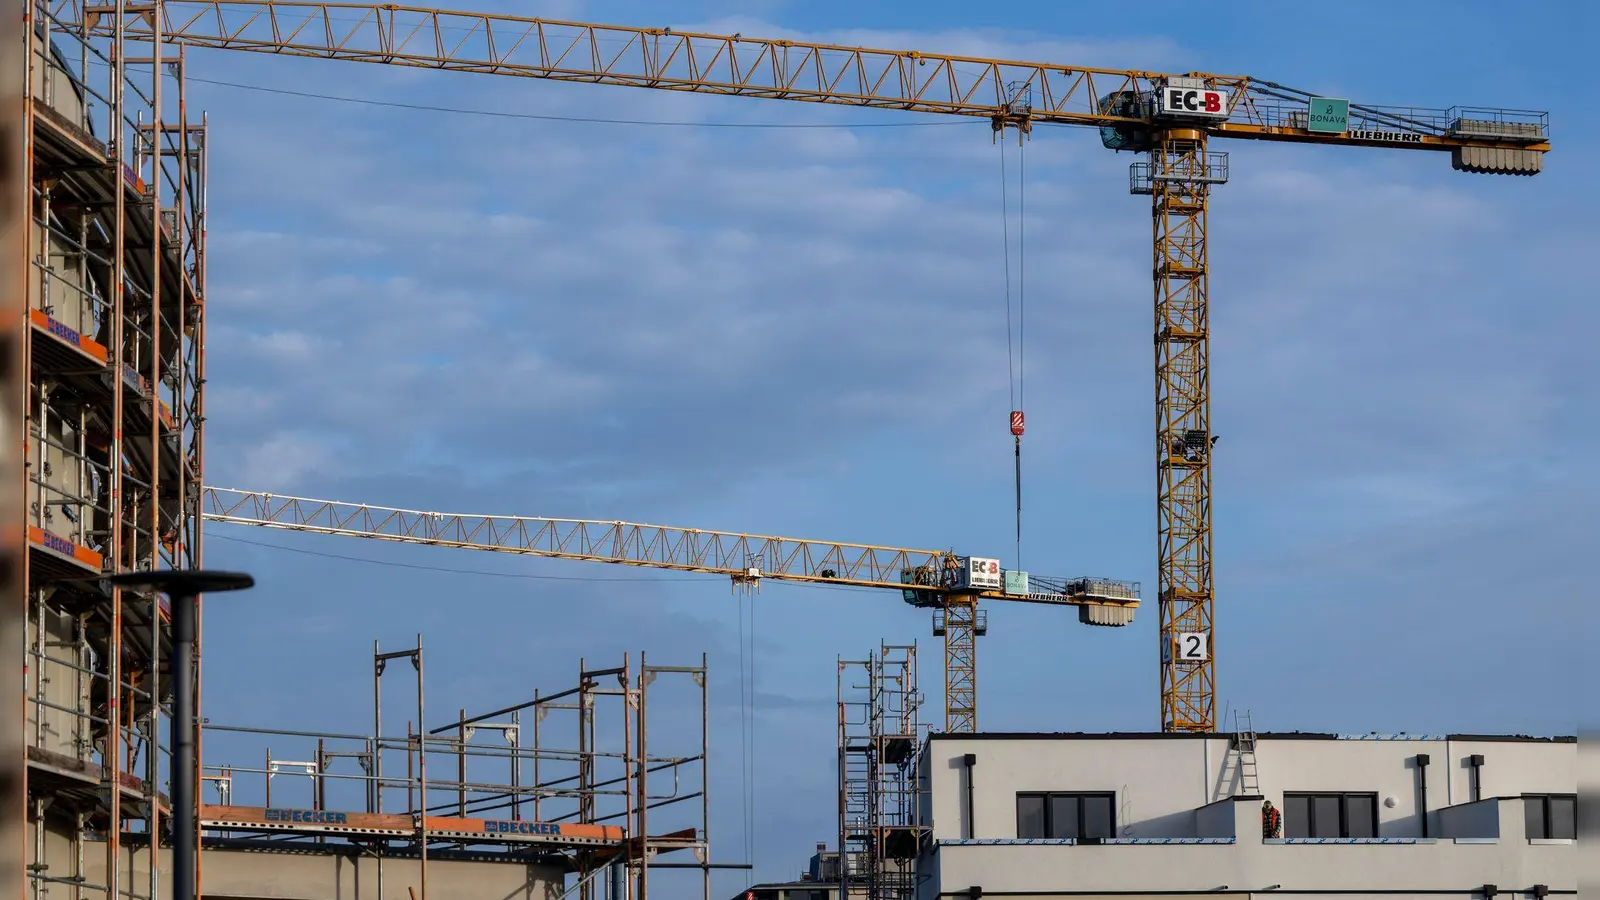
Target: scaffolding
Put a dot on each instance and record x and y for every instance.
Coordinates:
(567, 780)
(115, 256)
(881, 830)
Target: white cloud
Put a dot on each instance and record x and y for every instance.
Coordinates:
(283, 460)
(1153, 54)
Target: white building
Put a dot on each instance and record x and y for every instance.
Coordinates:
(1058, 815)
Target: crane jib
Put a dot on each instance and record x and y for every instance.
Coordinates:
(925, 577)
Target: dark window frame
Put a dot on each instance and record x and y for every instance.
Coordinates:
(1547, 816)
(1046, 799)
(1344, 797)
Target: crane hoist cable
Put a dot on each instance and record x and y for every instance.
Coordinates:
(1015, 353)
(750, 830)
(747, 723)
(1022, 316)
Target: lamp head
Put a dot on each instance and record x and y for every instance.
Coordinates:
(183, 582)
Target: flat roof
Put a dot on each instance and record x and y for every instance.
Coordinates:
(788, 886)
(1261, 735)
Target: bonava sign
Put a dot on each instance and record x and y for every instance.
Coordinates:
(1327, 116)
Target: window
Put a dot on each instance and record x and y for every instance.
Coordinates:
(1066, 815)
(1550, 816)
(1330, 815)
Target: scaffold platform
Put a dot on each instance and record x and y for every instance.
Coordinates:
(359, 826)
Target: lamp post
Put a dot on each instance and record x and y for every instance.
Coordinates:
(183, 586)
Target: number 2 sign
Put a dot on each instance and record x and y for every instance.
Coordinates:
(1193, 646)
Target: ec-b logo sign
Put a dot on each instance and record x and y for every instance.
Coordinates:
(1204, 103)
(983, 574)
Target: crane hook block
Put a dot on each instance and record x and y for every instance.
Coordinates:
(1016, 422)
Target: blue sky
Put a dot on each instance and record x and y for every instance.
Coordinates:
(803, 332)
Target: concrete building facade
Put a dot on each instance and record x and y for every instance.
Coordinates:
(1044, 815)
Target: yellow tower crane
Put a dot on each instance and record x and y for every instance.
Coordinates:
(1169, 118)
(948, 583)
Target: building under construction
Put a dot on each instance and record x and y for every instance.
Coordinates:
(514, 802)
(115, 262)
(539, 799)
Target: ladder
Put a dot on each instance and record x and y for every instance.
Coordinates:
(1244, 748)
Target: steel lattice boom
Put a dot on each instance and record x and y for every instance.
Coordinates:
(928, 578)
(742, 557)
(664, 59)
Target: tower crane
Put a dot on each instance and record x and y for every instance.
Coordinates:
(948, 583)
(1170, 119)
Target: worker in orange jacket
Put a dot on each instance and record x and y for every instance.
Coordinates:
(1271, 821)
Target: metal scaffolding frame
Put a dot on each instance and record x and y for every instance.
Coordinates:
(13, 389)
(115, 268)
(881, 829)
(575, 763)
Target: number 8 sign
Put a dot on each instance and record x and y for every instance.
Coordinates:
(1193, 646)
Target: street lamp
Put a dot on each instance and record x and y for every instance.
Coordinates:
(182, 586)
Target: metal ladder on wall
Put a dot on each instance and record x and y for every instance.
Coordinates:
(1244, 749)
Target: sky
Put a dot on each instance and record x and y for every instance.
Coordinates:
(803, 332)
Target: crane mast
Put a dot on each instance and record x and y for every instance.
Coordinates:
(1181, 174)
(1171, 118)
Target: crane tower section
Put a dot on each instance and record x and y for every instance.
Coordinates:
(1175, 118)
(1180, 174)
